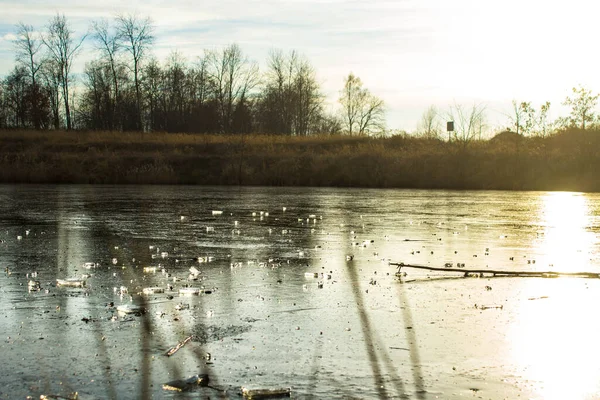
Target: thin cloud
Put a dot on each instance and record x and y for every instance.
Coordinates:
(9, 37)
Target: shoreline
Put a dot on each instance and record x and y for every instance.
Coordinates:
(565, 161)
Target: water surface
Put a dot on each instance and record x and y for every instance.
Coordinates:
(361, 334)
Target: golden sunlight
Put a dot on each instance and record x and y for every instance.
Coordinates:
(554, 335)
(565, 242)
(554, 339)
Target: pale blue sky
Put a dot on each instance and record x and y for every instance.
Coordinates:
(411, 53)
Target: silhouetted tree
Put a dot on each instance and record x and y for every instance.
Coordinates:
(180, 98)
(152, 91)
(15, 96)
(51, 78)
(174, 93)
(276, 107)
(203, 115)
(308, 100)
(136, 38)
(529, 114)
(3, 122)
(3, 108)
(233, 76)
(523, 118)
(242, 117)
(527, 121)
(328, 125)
(517, 116)
(96, 104)
(28, 55)
(543, 125)
(291, 100)
(582, 106)
(108, 44)
(62, 49)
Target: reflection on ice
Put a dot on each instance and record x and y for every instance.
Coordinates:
(554, 338)
(299, 295)
(566, 241)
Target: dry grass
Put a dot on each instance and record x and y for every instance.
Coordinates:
(566, 161)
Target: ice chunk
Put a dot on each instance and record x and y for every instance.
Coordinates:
(265, 393)
(33, 286)
(182, 385)
(153, 290)
(189, 291)
(130, 309)
(70, 282)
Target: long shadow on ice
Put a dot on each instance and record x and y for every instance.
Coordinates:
(372, 342)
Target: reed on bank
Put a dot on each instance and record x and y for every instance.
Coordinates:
(565, 161)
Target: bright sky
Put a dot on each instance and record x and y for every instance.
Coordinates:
(411, 53)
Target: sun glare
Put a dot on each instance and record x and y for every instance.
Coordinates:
(554, 341)
(553, 337)
(564, 240)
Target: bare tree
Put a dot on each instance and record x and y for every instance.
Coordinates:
(468, 123)
(530, 118)
(96, 106)
(291, 103)
(200, 81)
(51, 77)
(109, 45)
(175, 90)
(429, 126)
(329, 125)
(526, 120)
(201, 114)
(28, 47)
(363, 112)
(523, 117)
(582, 106)
(28, 55)
(15, 86)
(234, 76)
(372, 118)
(542, 120)
(278, 94)
(152, 86)
(62, 49)
(307, 99)
(517, 116)
(136, 36)
(3, 111)
(351, 98)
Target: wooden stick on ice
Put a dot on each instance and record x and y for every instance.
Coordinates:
(179, 345)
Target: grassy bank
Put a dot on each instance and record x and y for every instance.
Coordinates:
(566, 161)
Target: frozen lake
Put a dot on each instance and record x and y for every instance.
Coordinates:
(263, 320)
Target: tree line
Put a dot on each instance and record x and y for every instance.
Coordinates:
(125, 88)
(524, 119)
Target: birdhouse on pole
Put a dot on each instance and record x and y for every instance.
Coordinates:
(450, 128)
